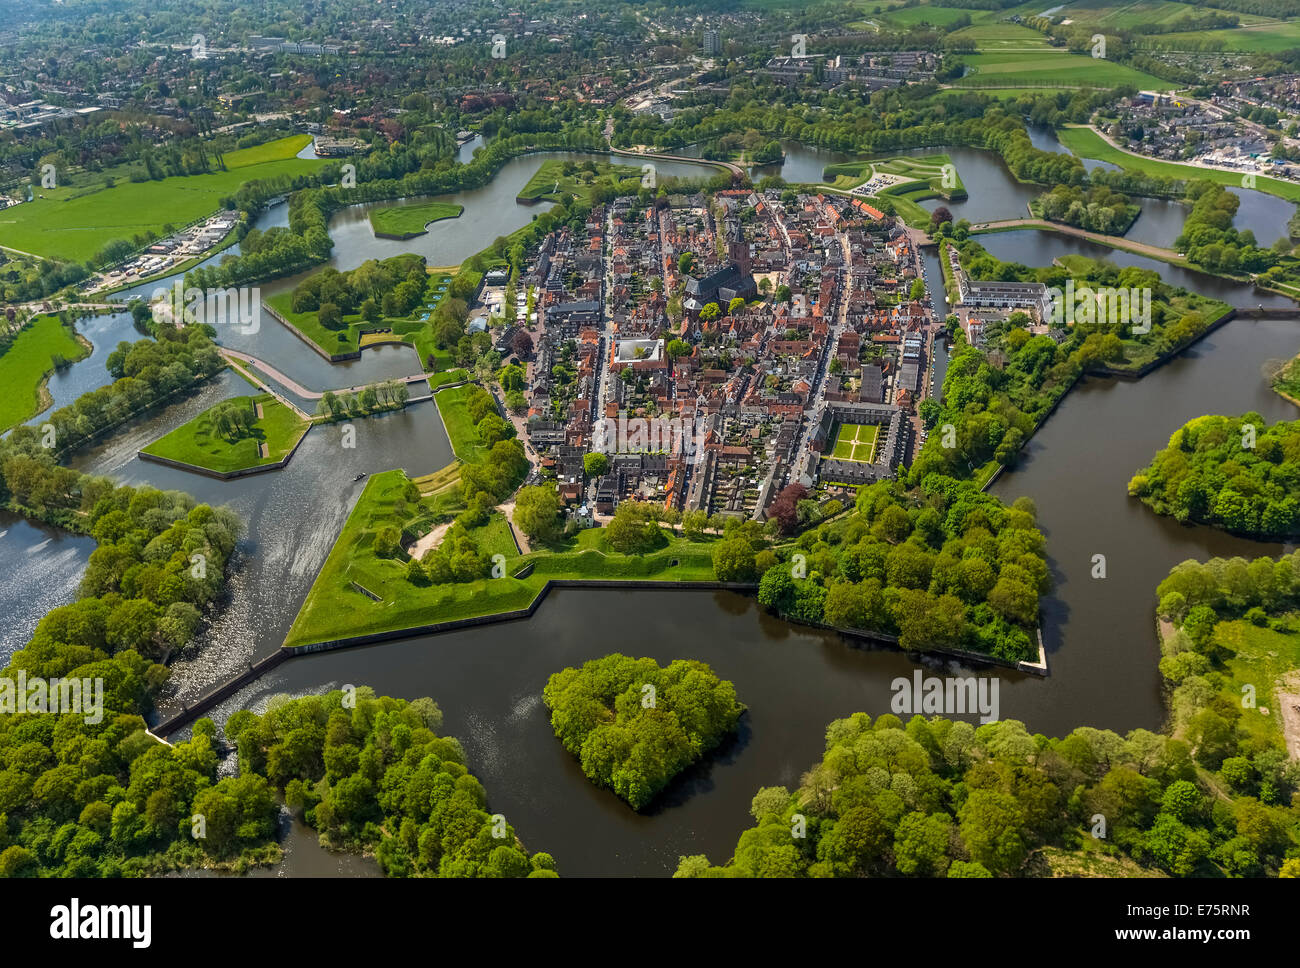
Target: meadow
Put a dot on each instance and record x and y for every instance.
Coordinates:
(1052, 68)
(71, 223)
(1088, 144)
(28, 362)
(408, 221)
(196, 442)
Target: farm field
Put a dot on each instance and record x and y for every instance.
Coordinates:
(1051, 68)
(408, 221)
(25, 365)
(198, 442)
(72, 224)
(1122, 15)
(1259, 38)
(1088, 144)
(855, 442)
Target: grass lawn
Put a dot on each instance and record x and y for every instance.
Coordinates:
(1088, 144)
(1266, 38)
(72, 223)
(934, 15)
(1287, 382)
(461, 430)
(28, 362)
(927, 170)
(195, 442)
(1263, 657)
(855, 442)
(335, 609)
(549, 182)
(408, 221)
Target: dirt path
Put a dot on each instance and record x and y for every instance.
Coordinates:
(430, 541)
(1288, 703)
(521, 539)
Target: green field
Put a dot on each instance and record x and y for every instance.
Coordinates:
(934, 15)
(1127, 14)
(928, 170)
(27, 363)
(855, 442)
(550, 181)
(335, 609)
(1262, 657)
(1088, 144)
(1266, 38)
(1049, 68)
(453, 406)
(73, 224)
(408, 221)
(1001, 36)
(196, 442)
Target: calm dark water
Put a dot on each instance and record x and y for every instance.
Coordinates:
(1036, 247)
(104, 333)
(1099, 634)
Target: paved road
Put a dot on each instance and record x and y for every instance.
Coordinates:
(298, 388)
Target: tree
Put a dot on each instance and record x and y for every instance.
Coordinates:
(785, 507)
(330, 316)
(632, 531)
(733, 560)
(536, 512)
(595, 464)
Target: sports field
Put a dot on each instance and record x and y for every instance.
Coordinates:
(856, 442)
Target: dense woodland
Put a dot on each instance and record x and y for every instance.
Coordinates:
(371, 774)
(1236, 473)
(941, 565)
(634, 725)
(943, 798)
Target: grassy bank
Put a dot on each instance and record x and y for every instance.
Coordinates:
(335, 608)
(408, 221)
(1088, 144)
(27, 364)
(198, 442)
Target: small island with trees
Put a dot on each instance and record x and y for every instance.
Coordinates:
(1235, 473)
(635, 725)
(234, 437)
